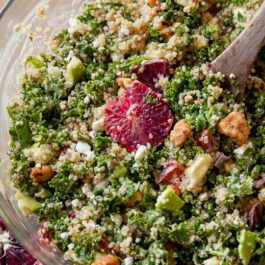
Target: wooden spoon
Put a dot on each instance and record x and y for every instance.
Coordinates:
(237, 59)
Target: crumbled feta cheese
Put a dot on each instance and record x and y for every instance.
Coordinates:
(87, 99)
(98, 125)
(64, 235)
(76, 203)
(84, 148)
(117, 219)
(212, 261)
(242, 149)
(71, 246)
(128, 261)
(140, 153)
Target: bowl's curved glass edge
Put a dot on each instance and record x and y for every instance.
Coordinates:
(12, 49)
(5, 8)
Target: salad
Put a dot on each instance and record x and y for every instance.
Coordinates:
(129, 149)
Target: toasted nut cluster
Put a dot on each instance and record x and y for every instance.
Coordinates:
(235, 126)
(41, 174)
(124, 82)
(153, 3)
(181, 132)
(107, 260)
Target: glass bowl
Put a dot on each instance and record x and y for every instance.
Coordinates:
(13, 48)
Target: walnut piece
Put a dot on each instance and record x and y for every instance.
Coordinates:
(235, 126)
(180, 133)
(106, 260)
(41, 174)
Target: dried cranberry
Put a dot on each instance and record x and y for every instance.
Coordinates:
(72, 215)
(219, 159)
(254, 213)
(170, 174)
(150, 72)
(206, 140)
(139, 117)
(260, 183)
(103, 244)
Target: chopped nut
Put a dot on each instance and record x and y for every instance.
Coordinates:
(254, 213)
(107, 260)
(41, 174)
(181, 132)
(124, 82)
(153, 3)
(235, 126)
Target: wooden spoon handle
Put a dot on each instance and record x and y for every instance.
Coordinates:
(241, 54)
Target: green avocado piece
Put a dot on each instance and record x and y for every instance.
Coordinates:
(197, 171)
(169, 200)
(26, 204)
(75, 71)
(247, 245)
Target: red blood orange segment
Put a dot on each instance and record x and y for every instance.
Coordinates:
(150, 72)
(139, 117)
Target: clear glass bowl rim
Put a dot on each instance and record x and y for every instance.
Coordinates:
(13, 12)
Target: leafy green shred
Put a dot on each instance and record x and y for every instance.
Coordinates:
(240, 184)
(37, 63)
(61, 183)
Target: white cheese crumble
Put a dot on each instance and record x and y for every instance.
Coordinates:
(76, 203)
(242, 149)
(128, 261)
(141, 152)
(64, 235)
(212, 261)
(98, 125)
(84, 148)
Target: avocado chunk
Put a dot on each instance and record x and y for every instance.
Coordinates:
(169, 200)
(75, 71)
(247, 245)
(26, 204)
(197, 171)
